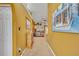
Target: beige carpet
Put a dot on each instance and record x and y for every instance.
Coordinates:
(40, 48)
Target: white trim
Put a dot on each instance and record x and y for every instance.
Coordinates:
(23, 52)
(51, 49)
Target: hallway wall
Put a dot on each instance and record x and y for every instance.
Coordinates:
(61, 43)
(20, 15)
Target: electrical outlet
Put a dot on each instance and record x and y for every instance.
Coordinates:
(19, 51)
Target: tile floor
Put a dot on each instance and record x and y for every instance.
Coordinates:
(40, 48)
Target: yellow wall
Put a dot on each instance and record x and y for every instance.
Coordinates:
(61, 43)
(20, 15)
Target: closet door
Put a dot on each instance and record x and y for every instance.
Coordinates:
(1, 35)
(6, 30)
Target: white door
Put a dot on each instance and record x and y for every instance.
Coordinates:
(1, 36)
(5, 30)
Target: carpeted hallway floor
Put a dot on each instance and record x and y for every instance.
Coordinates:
(40, 48)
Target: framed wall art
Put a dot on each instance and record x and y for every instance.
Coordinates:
(66, 18)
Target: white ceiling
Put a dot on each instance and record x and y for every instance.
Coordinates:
(39, 10)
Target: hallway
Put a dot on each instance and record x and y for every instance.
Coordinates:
(40, 48)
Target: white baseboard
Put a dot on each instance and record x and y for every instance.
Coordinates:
(51, 49)
(23, 52)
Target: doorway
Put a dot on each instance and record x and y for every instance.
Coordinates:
(29, 34)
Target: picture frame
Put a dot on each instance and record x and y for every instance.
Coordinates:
(66, 18)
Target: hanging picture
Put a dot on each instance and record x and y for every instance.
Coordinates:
(66, 18)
